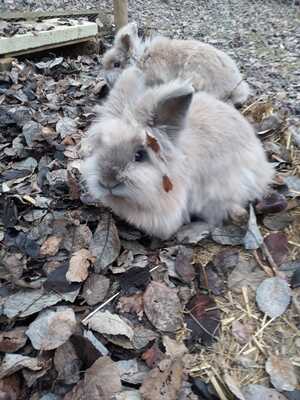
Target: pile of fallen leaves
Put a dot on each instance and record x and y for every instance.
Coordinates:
(91, 308)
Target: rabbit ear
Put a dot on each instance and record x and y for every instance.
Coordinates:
(127, 89)
(127, 36)
(126, 42)
(166, 107)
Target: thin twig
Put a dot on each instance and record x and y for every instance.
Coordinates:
(294, 243)
(266, 269)
(205, 277)
(246, 300)
(217, 387)
(99, 308)
(270, 259)
(251, 105)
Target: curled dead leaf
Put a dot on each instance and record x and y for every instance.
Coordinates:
(132, 304)
(153, 143)
(162, 307)
(79, 266)
(13, 340)
(203, 319)
(163, 384)
(167, 183)
(50, 246)
(153, 356)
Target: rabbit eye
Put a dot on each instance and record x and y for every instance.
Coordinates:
(117, 65)
(140, 156)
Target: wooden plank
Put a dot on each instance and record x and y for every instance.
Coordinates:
(47, 47)
(30, 15)
(60, 35)
(120, 13)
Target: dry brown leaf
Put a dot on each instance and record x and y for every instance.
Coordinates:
(28, 302)
(174, 349)
(142, 337)
(101, 381)
(79, 266)
(10, 388)
(153, 356)
(106, 244)
(203, 319)
(132, 304)
(107, 323)
(183, 264)
(67, 364)
(163, 384)
(74, 187)
(282, 373)
(95, 289)
(277, 244)
(167, 183)
(162, 307)
(153, 143)
(12, 363)
(13, 340)
(50, 246)
(52, 328)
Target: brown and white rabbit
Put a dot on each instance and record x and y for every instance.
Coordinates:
(163, 59)
(158, 155)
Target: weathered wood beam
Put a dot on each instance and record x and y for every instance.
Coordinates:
(60, 35)
(30, 15)
(120, 13)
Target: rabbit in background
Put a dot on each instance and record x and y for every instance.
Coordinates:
(163, 154)
(163, 59)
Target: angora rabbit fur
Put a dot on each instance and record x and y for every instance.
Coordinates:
(158, 155)
(163, 59)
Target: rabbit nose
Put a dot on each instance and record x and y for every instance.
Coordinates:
(110, 179)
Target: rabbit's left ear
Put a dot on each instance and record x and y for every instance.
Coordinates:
(166, 107)
(127, 36)
(126, 42)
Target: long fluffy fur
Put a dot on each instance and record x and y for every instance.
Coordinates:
(162, 59)
(214, 160)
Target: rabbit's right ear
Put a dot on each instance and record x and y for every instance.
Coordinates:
(166, 107)
(127, 36)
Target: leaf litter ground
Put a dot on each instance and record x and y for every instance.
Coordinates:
(207, 315)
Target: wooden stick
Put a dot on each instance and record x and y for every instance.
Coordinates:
(267, 270)
(120, 13)
(30, 15)
(270, 259)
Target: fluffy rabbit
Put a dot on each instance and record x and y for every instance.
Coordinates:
(162, 60)
(166, 153)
